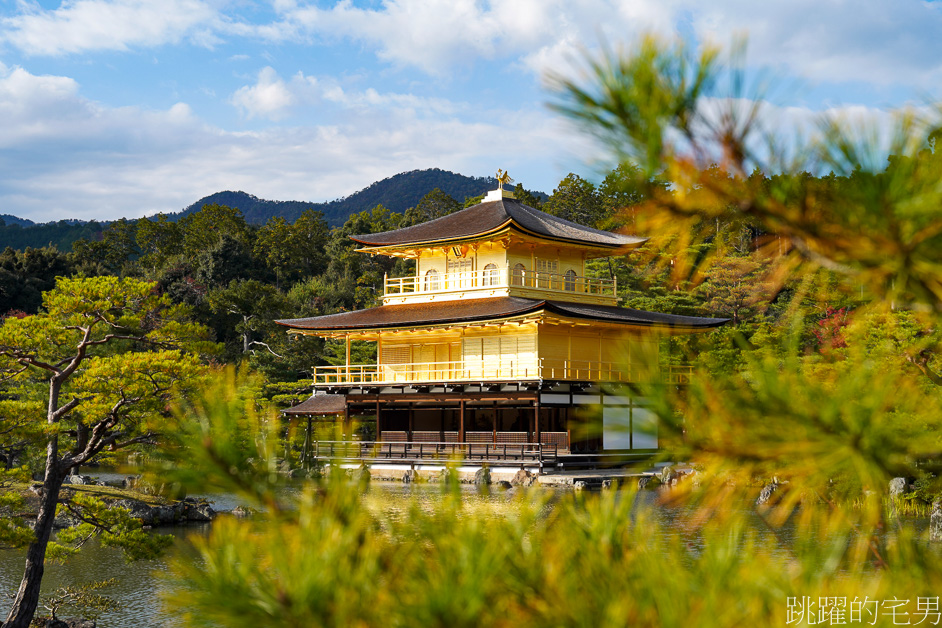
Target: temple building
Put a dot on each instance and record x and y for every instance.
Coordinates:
(500, 337)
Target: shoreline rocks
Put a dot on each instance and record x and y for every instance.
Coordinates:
(187, 510)
(523, 478)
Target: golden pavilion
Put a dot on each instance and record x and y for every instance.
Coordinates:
(499, 338)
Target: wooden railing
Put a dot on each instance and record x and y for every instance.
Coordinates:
(455, 371)
(414, 452)
(560, 439)
(496, 369)
(499, 278)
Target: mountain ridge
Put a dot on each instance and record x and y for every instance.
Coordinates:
(397, 193)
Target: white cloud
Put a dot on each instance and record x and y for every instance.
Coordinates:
(872, 41)
(829, 40)
(68, 157)
(85, 25)
(275, 98)
(270, 97)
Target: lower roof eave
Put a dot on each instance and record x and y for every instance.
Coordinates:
(413, 316)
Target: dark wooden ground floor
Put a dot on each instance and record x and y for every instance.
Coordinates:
(506, 418)
(565, 418)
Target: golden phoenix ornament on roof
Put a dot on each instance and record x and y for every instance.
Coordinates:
(503, 178)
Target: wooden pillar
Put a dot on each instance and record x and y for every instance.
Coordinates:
(495, 423)
(411, 422)
(461, 421)
(306, 450)
(343, 424)
(347, 336)
(536, 417)
(379, 424)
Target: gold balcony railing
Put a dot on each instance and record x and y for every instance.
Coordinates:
(494, 369)
(500, 278)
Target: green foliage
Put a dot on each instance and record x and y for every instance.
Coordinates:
(238, 442)
(110, 255)
(26, 274)
(106, 354)
(433, 205)
(525, 196)
(59, 235)
(82, 597)
(576, 200)
(326, 556)
(851, 222)
(113, 526)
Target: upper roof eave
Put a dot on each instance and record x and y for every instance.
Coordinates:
(608, 248)
(489, 217)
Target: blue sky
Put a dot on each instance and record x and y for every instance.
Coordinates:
(113, 108)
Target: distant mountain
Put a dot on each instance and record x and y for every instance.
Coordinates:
(397, 193)
(15, 220)
(61, 234)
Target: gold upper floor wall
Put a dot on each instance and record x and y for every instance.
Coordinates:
(510, 265)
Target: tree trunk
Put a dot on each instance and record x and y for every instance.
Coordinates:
(27, 597)
(81, 441)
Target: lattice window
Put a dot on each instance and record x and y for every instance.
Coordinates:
(459, 265)
(490, 275)
(519, 273)
(397, 354)
(570, 283)
(545, 269)
(431, 280)
(459, 271)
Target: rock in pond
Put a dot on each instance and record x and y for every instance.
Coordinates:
(482, 476)
(766, 494)
(243, 511)
(361, 475)
(523, 478)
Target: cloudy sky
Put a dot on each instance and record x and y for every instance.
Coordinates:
(113, 108)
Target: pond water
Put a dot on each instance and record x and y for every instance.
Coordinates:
(138, 584)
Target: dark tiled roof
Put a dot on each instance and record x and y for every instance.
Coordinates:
(485, 217)
(319, 404)
(464, 310)
(628, 315)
